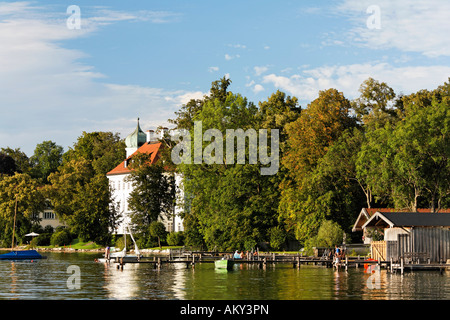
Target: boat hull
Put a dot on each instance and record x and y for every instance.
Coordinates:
(21, 255)
(223, 264)
(119, 259)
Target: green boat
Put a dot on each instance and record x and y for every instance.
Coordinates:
(223, 264)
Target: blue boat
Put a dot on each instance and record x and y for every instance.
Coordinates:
(21, 255)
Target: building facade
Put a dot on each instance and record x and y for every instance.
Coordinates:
(140, 142)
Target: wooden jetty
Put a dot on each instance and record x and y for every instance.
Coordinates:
(190, 259)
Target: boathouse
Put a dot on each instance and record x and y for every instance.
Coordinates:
(418, 235)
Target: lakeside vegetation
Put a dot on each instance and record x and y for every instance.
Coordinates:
(382, 149)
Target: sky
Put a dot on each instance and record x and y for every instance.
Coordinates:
(88, 65)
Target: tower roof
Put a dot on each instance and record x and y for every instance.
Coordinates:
(137, 138)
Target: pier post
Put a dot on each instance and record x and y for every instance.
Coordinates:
(401, 265)
(390, 264)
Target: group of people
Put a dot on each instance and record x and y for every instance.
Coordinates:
(241, 255)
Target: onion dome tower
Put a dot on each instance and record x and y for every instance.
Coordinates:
(135, 140)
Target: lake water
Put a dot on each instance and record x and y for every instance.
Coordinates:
(75, 276)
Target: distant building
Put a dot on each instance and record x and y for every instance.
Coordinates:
(139, 142)
(49, 218)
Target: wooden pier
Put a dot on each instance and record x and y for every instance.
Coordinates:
(190, 259)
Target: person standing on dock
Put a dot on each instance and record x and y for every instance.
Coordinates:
(107, 251)
(337, 252)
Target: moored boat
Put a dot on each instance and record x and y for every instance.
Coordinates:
(21, 255)
(223, 264)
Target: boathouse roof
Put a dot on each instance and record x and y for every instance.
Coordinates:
(366, 213)
(408, 219)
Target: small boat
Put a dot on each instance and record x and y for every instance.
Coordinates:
(21, 255)
(223, 264)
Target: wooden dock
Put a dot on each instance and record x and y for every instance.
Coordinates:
(190, 259)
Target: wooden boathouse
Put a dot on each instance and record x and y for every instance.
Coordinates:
(414, 236)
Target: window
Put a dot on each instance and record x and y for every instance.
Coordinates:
(49, 215)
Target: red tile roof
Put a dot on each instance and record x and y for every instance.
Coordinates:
(150, 148)
(371, 211)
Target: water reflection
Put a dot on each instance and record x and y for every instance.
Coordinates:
(47, 279)
(121, 283)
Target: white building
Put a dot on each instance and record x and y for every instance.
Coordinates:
(139, 142)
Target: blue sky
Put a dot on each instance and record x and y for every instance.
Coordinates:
(146, 58)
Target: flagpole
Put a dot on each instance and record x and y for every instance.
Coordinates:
(14, 226)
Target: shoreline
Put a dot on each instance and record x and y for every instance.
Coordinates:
(71, 250)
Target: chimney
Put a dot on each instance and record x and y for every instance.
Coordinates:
(150, 135)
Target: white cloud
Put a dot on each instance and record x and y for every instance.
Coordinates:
(238, 46)
(213, 69)
(421, 26)
(348, 78)
(260, 70)
(230, 57)
(47, 93)
(258, 88)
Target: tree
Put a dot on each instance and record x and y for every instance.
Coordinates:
(20, 158)
(46, 159)
(79, 190)
(7, 165)
(305, 203)
(157, 230)
(21, 200)
(103, 150)
(153, 194)
(229, 204)
(187, 112)
(375, 105)
(329, 234)
(422, 154)
(83, 200)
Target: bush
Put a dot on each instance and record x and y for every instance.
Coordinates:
(277, 237)
(329, 235)
(41, 240)
(61, 238)
(175, 238)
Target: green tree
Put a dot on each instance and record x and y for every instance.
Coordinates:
(329, 234)
(20, 200)
(46, 159)
(153, 194)
(187, 112)
(304, 201)
(103, 150)
(229, 204)
(79, 190)
(157, 230)
(376, 104)
(20, 158)
(7, 165)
